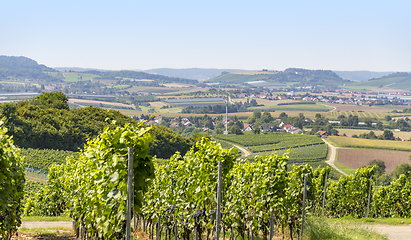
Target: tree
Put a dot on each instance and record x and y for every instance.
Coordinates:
(251, 119)
(388, 135)
(257, 114)
(388, 118)
(380, 166)
(236, 130)
(404, 168)
(266, 118)
(283, 115)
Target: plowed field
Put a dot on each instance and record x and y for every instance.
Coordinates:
(355, 158)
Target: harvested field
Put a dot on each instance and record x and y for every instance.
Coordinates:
(356, 158)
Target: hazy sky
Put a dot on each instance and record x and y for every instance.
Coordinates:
(337, 35)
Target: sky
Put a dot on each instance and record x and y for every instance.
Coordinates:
(333, 35)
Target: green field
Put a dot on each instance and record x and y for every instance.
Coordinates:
(388, 82)
(348, 142)
(75, 77)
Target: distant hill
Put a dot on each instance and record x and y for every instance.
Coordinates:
(292, 76)
(24, 68)
(78, 69)
(399, 81)
(360, 76)
(199, 74)
(128, 74)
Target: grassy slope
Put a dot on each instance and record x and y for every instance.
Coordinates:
(403, 83)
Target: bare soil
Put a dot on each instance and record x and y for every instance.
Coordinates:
(356, 158)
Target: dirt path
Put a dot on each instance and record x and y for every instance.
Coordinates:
(393, 232)
(46, 224)
(332, 158)
(245, 152)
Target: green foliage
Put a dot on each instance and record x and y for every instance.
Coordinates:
(186, 185)
(167, 142)
(42, 159)
(349, 195)
(95, 185)
(38, 124)
(11, 185)
(48, 200)
(403, 168)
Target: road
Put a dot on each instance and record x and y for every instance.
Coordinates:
(245, 152)
(332, 157)
(46, 224)
(393, 232)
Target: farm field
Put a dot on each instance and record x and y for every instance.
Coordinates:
(350, 132)
(294, 107)
(347, 142)
(379, 115)
(86, 102)
(356, 158)
(75, 77)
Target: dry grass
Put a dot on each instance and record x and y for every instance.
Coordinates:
(348, 142)
(177, 85)
(350, 132)
(365, 108)
(356, 158)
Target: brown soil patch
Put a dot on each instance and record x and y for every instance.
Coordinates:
(46, 234)
(356, 158)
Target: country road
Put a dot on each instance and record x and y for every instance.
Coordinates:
(332, 157)
(246, 153)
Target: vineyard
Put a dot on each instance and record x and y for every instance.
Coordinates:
(42, 159)
(271, 141)
(182, 197)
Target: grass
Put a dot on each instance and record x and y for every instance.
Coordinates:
(319, 228)
(348, 142)
(46, 219)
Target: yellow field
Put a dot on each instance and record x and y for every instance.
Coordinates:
(369, 143)
(350, 132)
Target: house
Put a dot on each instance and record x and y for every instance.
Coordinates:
(287, 127)
(295, 131)
(322, 133)
(264, 128)
(247, 127)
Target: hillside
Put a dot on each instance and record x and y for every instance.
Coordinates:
(397, 81)
(129, 75)
(360, 76)
(296, 77)
(12, 67)
(199, 74)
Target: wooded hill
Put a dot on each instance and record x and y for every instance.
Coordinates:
(296, 77)
(24, 68)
